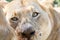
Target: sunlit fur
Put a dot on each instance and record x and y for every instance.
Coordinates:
(5, 29)
(46, 24)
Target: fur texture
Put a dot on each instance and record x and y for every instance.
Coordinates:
(46, 23)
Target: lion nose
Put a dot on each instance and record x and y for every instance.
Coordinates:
(28, 32)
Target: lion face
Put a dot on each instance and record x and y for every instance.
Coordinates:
(28, 19)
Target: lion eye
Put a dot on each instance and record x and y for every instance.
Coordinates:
(35, 14)
(14, 19)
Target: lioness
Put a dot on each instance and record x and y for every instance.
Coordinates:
(32, 21)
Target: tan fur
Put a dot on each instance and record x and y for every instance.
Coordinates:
(46, 24)
(46, 3)
(57, 9)
(5, 29)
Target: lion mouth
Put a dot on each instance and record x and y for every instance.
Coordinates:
(24, 36)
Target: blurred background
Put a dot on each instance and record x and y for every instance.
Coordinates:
(57, 2)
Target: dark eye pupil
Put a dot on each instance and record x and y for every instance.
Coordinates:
(14, 18)
(35, 14)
